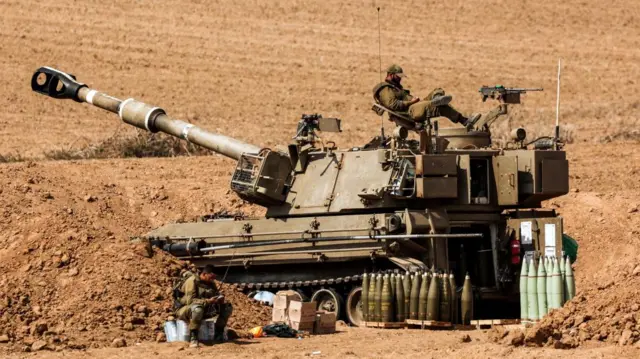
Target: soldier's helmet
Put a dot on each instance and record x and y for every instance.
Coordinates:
(396, 69)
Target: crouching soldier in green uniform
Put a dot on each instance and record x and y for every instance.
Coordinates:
(392, 95)
(198, 298)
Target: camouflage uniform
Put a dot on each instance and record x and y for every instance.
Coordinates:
(394, 97)
(194, 307)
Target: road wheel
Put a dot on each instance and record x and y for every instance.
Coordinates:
(354, 307)
(328, 300)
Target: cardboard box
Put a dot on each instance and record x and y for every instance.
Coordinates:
(325, 323)
(302, 312)
(283, 298)
(307, 326)
(280, 315)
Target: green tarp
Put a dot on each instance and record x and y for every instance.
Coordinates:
(570, 247)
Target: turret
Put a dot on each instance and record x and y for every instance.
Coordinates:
(261, 175)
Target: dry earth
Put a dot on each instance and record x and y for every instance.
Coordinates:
(249, 69)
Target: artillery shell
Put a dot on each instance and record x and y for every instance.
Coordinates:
(406, 286)
(415, 295)
(433, 299)
(399, 299)
(454, 299)
(445, 299)
(371, 312)
(466, 301)
(386, 310)
(542, 290)
(571, 283)
(422, 297)
(532, 291)
(524, 307)
(378, 313)
(392, 278)
(365, 296)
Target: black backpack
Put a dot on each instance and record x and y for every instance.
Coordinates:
(280, 330)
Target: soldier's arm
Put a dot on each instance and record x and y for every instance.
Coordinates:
(389, 100)
(189, 290)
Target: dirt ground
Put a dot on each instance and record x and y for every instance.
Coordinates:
(249, 70)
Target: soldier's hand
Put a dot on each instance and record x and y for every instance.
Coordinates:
(415, 100)
(218, 299)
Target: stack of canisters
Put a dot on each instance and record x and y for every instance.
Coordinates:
(545, 284)
(424, 295)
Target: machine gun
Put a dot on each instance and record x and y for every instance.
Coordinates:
(309, 124)
(505, 96)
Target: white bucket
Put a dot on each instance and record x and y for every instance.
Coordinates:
(207, 331)
(170, 331)
(182, 331)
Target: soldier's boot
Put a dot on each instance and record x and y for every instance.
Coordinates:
(193, 340)
(440, 100)
(223, 317)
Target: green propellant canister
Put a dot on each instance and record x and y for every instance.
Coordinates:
(433, 298)
(415, 295)
(365, 296)
(399, 302)
(385, 300)
(563, 276)
(524, 307)
(445, 299)
(372, 298)
(466, 301)
(377, 315)
(542, 289)
(571, 282)
(556, 278)
(532, 291)
(406, 286)
(552, 289)
(549, 269)
(422, 296)
(454, 299)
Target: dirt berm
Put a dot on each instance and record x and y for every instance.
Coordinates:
(70, 275)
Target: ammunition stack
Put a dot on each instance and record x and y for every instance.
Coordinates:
(426, 298)
(545, 285)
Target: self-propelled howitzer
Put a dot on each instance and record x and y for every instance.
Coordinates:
(448, 200)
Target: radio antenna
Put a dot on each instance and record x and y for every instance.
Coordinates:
(379, 45)
(557, 129)
(380, 73)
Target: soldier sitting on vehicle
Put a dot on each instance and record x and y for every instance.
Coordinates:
(197, 298)
(391, 95)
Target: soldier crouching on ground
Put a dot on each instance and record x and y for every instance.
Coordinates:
(198, 298)
(392, 95)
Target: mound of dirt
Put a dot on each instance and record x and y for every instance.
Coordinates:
(71, 277)
(608, 312)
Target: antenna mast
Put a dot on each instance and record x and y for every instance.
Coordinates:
(380, 73)
(557, 129)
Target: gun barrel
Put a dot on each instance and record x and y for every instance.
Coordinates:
(58, 84)
(521, 89)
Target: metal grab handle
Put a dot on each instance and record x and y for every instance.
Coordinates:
(57, 84)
